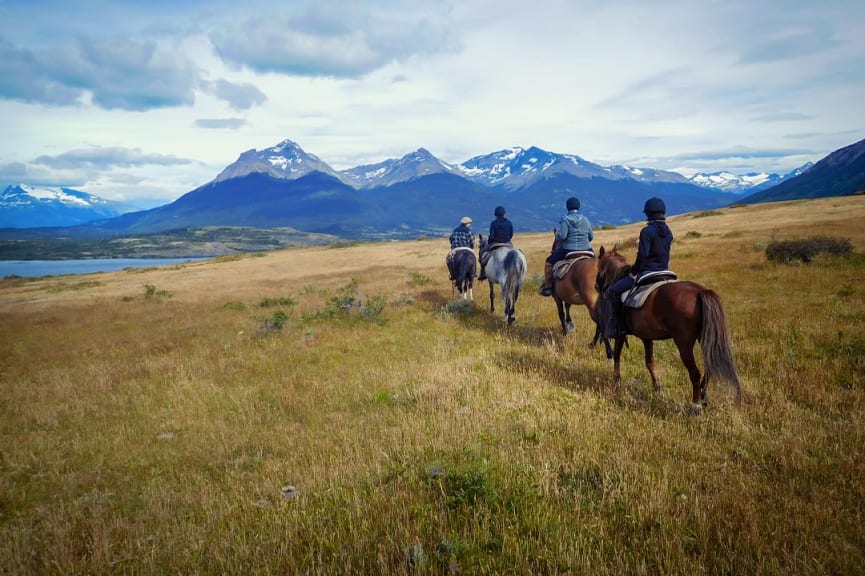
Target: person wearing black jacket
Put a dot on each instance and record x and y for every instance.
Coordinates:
(653, 255)
(501, 232)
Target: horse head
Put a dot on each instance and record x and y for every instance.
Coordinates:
(611, 266)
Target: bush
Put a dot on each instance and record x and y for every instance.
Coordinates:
(804, 250)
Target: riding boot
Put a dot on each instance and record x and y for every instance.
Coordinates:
(483, 274)
(547, 288)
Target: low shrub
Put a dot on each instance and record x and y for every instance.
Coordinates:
(804, 250)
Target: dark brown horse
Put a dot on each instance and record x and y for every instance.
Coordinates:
(684, 311)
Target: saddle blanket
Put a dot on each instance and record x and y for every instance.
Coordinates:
(561, 268)
(488, 252)
(645, 285)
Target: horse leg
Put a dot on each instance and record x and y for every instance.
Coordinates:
(599, 337)
(698, 381)
(512, 315)
(492, 297)
(560, 307)
(649, 349)
(569, 324)
(617, 359)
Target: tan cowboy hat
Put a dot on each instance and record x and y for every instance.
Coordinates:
(466, 220)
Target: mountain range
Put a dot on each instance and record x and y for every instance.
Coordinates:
(24, 206)
(418, 194)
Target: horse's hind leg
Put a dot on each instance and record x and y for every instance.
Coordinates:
(492, 298)
(560, 307)
(698, 381)
(512, 313)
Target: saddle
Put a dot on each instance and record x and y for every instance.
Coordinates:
(486, 254)
(561, 268)
(645, 285)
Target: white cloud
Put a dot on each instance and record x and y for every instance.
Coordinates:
(742, 85)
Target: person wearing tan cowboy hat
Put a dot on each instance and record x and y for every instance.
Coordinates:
(461, 237)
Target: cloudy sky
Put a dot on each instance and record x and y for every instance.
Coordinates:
(138, 100)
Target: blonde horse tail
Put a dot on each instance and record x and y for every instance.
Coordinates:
(715, 341)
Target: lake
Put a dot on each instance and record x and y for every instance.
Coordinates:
(36, 268)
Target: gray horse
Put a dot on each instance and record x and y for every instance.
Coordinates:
(506, 267)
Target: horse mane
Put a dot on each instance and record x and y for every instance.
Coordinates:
(612, 265)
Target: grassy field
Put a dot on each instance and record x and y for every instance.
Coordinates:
(334, 411)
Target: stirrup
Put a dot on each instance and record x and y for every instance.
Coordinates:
(545, 291)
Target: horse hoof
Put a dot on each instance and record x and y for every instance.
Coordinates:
(696, 410)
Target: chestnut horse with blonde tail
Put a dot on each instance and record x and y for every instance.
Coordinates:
(684, 311)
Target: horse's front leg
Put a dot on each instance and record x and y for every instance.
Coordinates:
(617, 358)
(492, 297)
(649, 349)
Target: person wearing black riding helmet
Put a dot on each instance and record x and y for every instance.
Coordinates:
(653, 255)
(501, 233)
(574, 234)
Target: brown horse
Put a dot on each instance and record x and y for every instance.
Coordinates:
(577, 287)
(684, 311)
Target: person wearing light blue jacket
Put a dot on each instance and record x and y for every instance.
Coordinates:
(574, 234)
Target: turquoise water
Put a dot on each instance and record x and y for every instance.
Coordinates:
(36, 268)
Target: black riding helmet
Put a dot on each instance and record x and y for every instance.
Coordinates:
(654, 205)
(500, 211)
(573, 203)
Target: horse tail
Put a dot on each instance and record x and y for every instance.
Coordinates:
(515, 271)
(715, 341)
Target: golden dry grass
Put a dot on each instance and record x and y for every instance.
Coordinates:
(150, 419)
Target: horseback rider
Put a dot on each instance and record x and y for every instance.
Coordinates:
(501, 232)
(574, 233)
(653, 255)
(461, 237)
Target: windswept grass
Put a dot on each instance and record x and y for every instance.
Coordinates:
(275, 416)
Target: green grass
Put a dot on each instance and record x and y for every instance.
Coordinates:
(425, 436)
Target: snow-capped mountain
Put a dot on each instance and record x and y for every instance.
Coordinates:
(285, 160)
(285, 186)
(517, 167)
(416, 164)
(747, 183)
(648, 175)
(509, 169)
(23, 206)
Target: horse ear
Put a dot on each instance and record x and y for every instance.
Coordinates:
(601, 252)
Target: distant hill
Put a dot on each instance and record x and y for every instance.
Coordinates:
(841, 173)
